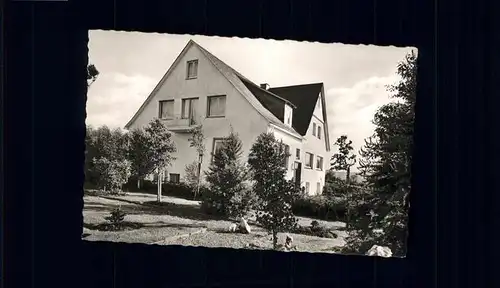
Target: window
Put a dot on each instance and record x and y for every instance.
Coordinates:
(307, 187)
(319, 132)
(216, 106)
(166, 110)
(189, 108)
(287, 155)
(175, 178)
(314, 129)
(192, 69)
(319, 162)
(318, 188)
(216, 146)
(309, 160)
(297, 154)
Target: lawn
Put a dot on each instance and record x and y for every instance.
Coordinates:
(181, 222)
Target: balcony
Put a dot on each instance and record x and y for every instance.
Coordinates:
(179, 125)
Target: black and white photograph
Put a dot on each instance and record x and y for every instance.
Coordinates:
(248, 143)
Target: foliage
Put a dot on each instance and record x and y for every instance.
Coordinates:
(315, 229)
(386, 167)
(106, 157)
(334, 186)
(92, 74)
(178, 190)
(227, 180)
(344, 159)
(112, 173)
(151, 148)
(196, 140)
(116, 218)
(275, 193)
(320, 207)
(191, 175)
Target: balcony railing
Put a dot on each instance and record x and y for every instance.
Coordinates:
(180, 125)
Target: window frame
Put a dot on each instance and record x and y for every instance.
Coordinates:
(318, 134)
(287, 157)
(318, 188)
(321, 166)
(215, 140)
(314, 129)
(160, 109)
(190, 101)
(188, 63)
(306, 160)
(297, 153)
(176, 175)
(209, 98)
(307, 186)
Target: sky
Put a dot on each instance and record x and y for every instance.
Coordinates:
(354, 76)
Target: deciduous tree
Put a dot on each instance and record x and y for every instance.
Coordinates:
(151, 149)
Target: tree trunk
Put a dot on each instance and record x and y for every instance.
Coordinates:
(138, 183)
(275, 240)
(347, 181)
(198, 184)
(348, 175)
(158, 197)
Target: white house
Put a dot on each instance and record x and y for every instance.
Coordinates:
(201, 89)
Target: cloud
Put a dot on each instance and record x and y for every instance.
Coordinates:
(115, 97)
(351, 109)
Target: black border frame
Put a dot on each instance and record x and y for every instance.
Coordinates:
(44, 64)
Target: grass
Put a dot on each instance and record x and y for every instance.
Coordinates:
(161, 223)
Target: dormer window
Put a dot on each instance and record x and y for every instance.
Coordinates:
(192, 69)
(288, 115)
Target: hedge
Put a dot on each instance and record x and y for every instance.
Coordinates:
(319, 207)
(179, 190)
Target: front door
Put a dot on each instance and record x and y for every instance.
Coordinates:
(298, 172)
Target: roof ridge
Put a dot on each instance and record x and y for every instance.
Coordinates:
(298, 85)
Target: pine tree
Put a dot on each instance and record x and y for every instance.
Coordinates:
(275, 193)
(227, 180)
(386, 166)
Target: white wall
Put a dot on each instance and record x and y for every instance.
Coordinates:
(245, 120)
(318, 110)
(317, 147)
(291, 141)
(288, 114)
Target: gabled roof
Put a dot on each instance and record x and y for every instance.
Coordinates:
(235, 78)
(304, 97)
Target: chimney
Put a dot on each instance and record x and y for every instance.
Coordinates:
(264, 86)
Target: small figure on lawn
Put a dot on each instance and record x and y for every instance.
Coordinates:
(288, 243)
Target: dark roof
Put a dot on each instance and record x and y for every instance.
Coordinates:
(304, 97)
(274, 104)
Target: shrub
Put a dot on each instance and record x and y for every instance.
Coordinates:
(112, 173)
(116, 219)
(320, 207)
(315, 229)
(191, 177)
